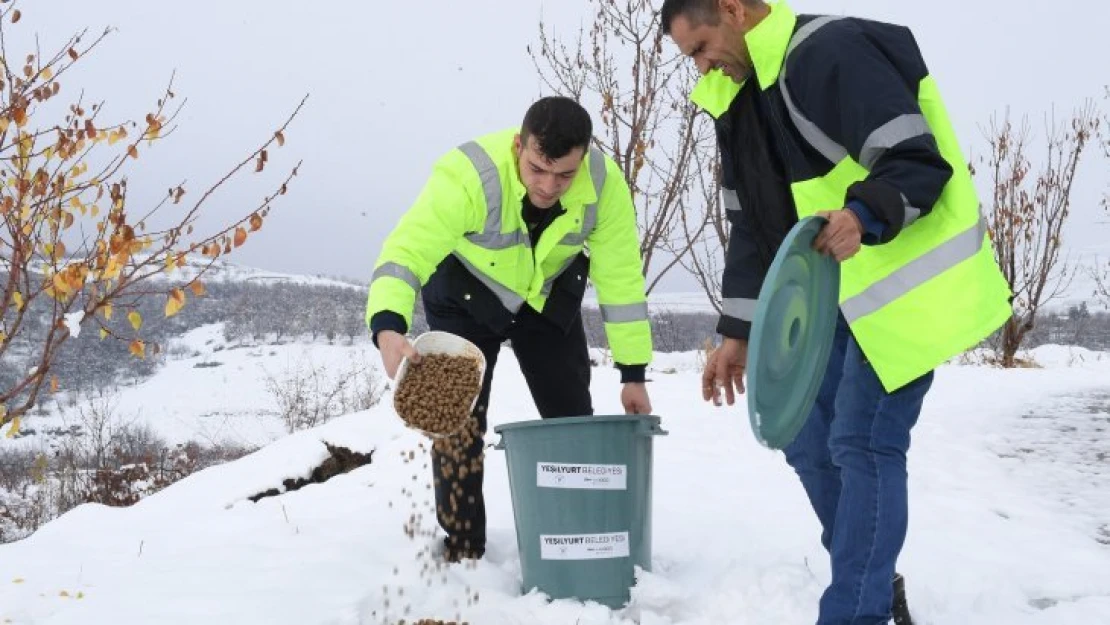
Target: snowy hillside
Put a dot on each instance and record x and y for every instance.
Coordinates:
(225, 272)
(1010, 511)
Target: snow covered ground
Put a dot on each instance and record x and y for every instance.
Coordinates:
(1010, 506)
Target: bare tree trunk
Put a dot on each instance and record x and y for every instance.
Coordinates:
(1029, 213)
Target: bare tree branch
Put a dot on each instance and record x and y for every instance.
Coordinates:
(648, 126)
(71, 252)
(1029, 212)
(1101, 274)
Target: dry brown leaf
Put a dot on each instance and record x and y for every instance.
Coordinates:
(175, 302)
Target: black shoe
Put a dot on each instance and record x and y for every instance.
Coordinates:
(899, 608)
(453, 552)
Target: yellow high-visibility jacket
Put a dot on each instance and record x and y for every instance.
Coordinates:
(841, 111)
(471, 208)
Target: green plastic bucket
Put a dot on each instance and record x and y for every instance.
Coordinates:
(581, 496)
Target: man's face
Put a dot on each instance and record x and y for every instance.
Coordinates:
(546, 180)
(716, 46)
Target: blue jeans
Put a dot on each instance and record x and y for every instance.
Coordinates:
(851, 458)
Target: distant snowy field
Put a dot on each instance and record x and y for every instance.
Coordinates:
(1010, 510)
(222, 271)
(1081, 288)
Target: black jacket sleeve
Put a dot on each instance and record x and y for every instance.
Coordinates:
(386, 320)
(745, 269)
(740, 284)
(745, 265)
(857, 81)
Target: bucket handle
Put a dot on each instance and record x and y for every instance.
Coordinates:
(655, 430)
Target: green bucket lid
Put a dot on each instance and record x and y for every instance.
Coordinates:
(791, 336)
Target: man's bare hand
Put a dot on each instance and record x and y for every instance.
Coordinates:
(634, 398)
(841, 237)
(725, 370)
(395, 347)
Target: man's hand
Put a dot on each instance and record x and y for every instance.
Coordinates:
(725, 369)
(394, 346)
(634, 397)
(841, 237)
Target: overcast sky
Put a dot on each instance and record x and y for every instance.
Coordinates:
(392, 85)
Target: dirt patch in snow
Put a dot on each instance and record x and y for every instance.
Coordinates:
(340, 460)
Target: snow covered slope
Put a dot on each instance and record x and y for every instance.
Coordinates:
(1010, 506)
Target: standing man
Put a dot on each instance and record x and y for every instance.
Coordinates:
(495, 243)
(839, 117)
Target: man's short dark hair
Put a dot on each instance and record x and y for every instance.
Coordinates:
(559, 125)
(698, 12)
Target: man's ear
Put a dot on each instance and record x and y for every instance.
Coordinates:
(732, 11)
(516, 144)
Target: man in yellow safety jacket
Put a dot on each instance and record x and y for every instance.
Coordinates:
(839, 116)
(496, 244)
